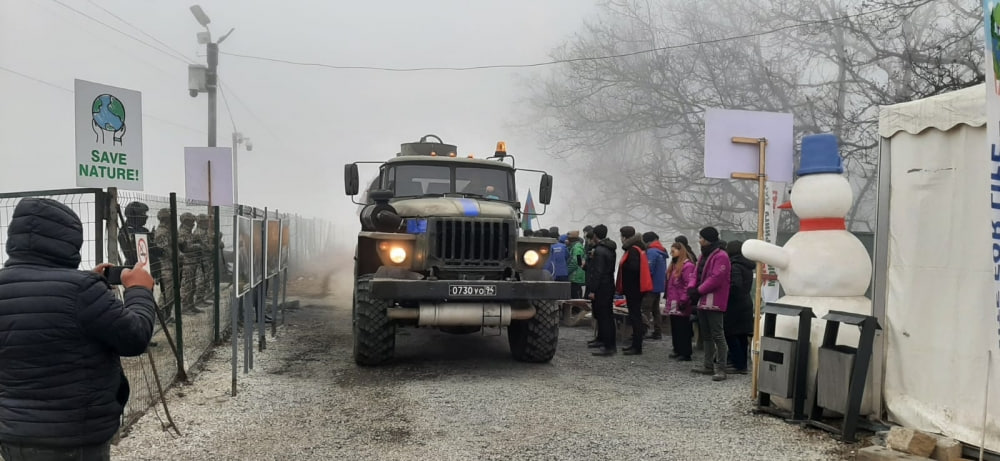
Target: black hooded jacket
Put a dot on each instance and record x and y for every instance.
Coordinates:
(61, 334)
(738, 319)
(601, 268)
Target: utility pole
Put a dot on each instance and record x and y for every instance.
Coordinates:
(203, 79)
(212, 85)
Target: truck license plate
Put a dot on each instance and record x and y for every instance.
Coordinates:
(472, 290)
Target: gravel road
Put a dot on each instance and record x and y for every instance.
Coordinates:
(460, 397)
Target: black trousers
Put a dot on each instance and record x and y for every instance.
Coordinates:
(602, 310)
(739, 345)
(575, 290)
(20, 452)
(634, 302)
(681, 333)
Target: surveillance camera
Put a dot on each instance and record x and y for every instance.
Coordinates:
(249, 146)
(193, 93)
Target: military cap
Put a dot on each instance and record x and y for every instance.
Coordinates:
(164, 213)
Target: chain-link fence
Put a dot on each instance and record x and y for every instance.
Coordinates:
(88, 205)
(192, 259)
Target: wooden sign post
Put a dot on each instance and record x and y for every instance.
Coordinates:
(761, 177)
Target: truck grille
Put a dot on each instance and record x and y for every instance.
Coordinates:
(475, 243)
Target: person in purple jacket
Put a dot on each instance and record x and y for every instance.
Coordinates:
(712, 295)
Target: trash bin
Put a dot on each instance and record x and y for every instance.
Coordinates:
(842, 372)
(783, 362)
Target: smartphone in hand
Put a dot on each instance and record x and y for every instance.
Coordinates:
(114, 274)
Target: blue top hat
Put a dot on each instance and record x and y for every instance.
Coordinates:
(820, 155)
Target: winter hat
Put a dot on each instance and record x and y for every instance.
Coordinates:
(562, 238)
(710, 234)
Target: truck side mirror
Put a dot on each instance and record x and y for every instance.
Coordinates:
(351, 181)
(545, 190)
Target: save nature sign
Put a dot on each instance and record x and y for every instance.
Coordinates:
(108, 136)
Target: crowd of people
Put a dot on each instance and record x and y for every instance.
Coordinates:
(710, 291)
(194, 240)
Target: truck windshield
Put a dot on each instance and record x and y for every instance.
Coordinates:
(417, 180)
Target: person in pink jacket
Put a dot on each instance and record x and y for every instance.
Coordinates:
(680, 278)
(712, 295)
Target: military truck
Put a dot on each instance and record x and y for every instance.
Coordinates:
(440, 247)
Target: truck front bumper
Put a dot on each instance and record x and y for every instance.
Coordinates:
(467, 290)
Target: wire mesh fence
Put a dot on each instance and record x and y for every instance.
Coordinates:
(87, 203)
(192, 259)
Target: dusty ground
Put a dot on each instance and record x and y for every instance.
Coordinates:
(460, 397)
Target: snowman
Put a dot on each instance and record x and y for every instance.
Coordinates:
(823, 266)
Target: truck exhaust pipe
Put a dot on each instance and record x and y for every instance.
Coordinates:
(461, 314)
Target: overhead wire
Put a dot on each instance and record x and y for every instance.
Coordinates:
(225, 103)
(143, 32)
(177, 55)
(68, 90)
(562, 61)
(265, 125)
(109, 26)
(181, 56)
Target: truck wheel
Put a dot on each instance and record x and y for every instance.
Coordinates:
(535, 339)
(374, 332)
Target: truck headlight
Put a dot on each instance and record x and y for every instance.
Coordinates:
(530, 257)
(397, 255)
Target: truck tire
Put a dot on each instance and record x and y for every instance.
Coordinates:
(534, 340)
(374, 332)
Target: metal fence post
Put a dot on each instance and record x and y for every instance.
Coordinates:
(216, 272)
(236, 302)
(100, 205)
(261, 289)
(175, 262)
(112, 224)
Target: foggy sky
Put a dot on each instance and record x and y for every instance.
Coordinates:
(305, 123)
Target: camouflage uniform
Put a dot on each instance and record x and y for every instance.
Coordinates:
(203, 235)
(163, 260)
(190, 248)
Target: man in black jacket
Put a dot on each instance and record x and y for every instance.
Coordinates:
(62, 331)
(738, 319)
(601, 291)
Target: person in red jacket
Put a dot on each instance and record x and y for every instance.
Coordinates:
(634, 281)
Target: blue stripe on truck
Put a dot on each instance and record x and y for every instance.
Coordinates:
(469, 207)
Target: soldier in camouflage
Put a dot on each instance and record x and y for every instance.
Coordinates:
(190, 249)
(163, 261)
(203, 235)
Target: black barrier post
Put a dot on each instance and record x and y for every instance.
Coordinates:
(100, 212)
(284, 293)
(217, 272)
(236, 302)
(175, 262)
(261, 289)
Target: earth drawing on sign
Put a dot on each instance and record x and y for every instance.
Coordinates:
(108, 115)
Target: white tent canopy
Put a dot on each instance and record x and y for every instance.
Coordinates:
(934, 282)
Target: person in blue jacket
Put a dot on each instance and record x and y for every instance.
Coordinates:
(657, 257)
(558, 264)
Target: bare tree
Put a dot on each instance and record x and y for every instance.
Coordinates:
(634, 123)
